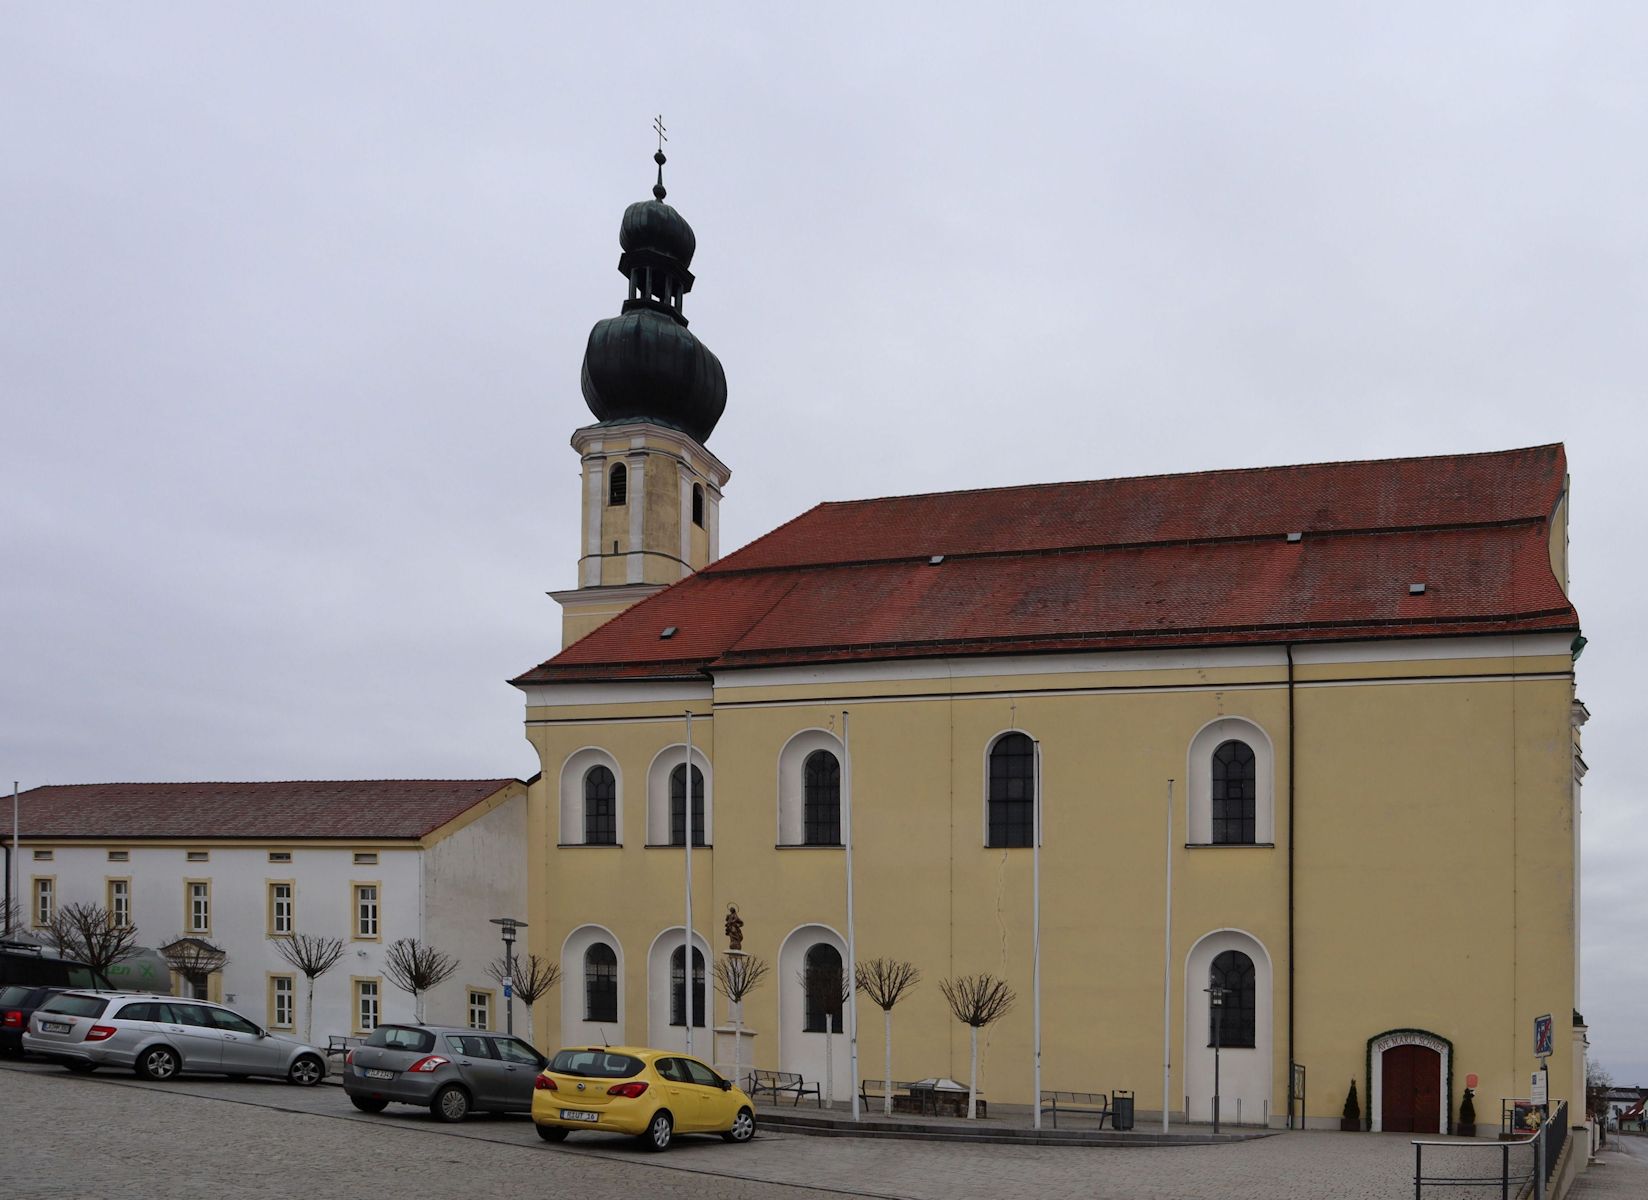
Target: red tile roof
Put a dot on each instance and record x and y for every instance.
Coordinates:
(1198, 559)
(284, 811)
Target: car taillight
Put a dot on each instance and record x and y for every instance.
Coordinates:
(628, 1090)
(430, 1062)
(12, 1020)
(98, 1033)
(349, 1055)
(544, 1084)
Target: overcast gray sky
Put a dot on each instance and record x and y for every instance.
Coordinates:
(293, 298)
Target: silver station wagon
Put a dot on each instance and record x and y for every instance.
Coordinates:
(452, 1072)
(160, 1037)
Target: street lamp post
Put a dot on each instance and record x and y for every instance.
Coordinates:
(508, 927)
(1216, 1006)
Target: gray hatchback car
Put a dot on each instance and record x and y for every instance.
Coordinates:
(452, 1072)
(160, 1037)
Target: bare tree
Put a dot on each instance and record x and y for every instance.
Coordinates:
(1598, 1083)
(533, 979)
(11, 916)
(885, 981)
(736, 976)
(417, 967)
(196, 959)
(314, 956)
(88, 932)
(977, 1001)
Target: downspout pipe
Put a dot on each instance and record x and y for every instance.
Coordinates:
(1292, 840)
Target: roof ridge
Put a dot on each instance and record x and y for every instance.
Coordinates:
(259, 782)
(1063, 483)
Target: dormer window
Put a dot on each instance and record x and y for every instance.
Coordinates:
(698, 505)
(618, 486)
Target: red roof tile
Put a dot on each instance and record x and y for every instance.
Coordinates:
(1197, 559)
(285, 811)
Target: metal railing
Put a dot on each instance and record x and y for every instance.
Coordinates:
(1514, 1168)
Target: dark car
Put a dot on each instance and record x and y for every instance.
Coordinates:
(17, 1004)
(28, 967)
(452, 1072)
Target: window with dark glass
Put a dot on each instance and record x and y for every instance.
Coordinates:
(600, 807)
(821, 799)
(1235, 794)
(822, 980)
(678, 806)
(618, 485)
(1236, 1018)
(600, 983)
(698, 505)
(1012, 791)
(678, 987)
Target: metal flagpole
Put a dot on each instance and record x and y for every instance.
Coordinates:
(1167, 968)
(852, 956)
(1035, 932)
(16, 869)
(686, 955)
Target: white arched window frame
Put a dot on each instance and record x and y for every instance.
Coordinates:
(1246, 1070)
(984, 807)
(798, 1049)
(1199, 771)
(792, 762)
(577, 766)
(575, 1030)
(658, 793)
(659, 987)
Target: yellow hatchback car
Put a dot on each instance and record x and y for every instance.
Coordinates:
(650, 1094)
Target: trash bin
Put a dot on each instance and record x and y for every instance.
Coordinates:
(1121, 1110)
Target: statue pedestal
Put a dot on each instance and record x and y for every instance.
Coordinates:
(722, 1059)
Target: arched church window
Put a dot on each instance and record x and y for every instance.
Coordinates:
(1012, 791)
(678, 806)
(600, 983)
(1236, 1017)
(1235, 794)
(600, 807)
(678, 987)
(821, 799)
(823, 983)
(698, 505)
(618, 485)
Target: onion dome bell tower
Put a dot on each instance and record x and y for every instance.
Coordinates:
(651, 491)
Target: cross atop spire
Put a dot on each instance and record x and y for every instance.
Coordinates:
(658, 127)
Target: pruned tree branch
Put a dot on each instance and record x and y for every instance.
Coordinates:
(309, 953)
(885, 980)
(737, 975)
(87, 932)
(417, 967)
(533, 978)
(978, 1000)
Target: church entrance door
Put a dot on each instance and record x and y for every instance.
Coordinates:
(1411, 1087)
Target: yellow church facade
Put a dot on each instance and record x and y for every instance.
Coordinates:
(1307, 735)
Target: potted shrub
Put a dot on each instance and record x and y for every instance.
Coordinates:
(1467, 1114)
(1350, 1121)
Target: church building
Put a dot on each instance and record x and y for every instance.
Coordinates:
(1304, 738)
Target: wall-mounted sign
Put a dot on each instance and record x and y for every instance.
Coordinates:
(1538, 1089)
(1542, 1036)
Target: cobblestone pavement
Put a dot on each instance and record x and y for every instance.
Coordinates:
(114, 1136)
(1619, 1173)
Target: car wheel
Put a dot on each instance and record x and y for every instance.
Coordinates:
(552, 1133)
(743, 1127)
(306, 1071)
(451, 1103)
(369, 1104)
(157, 1063)
(659, 1132)
(81, 1068)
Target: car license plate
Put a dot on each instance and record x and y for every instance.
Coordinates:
(380, 1074)
(578, 1114)
(53, 1027)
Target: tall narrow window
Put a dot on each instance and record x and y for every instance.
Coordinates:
(821, 799)
(282, 1006)
(200, 906)
(480, 1009)
(366, 1005)
(617, 485)
(678, 987)
(366, 910)
(1235, 794)
(698, 505)
(600, 807)
(281, 920)
(1012, 791)
(601, 983)
(1236, 1018)
(822, 982)
(678, 806)
(45, 901)
(120, 903)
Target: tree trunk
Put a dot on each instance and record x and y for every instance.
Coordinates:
(529, 1036)
(417, 1007)
(887, 1046)
(972, 1079)
(737, 1043)
(829, 1059)
(309, 1017)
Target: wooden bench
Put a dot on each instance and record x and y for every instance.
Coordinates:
(879, 1090)
(1086, 1104)
(777, 1083)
